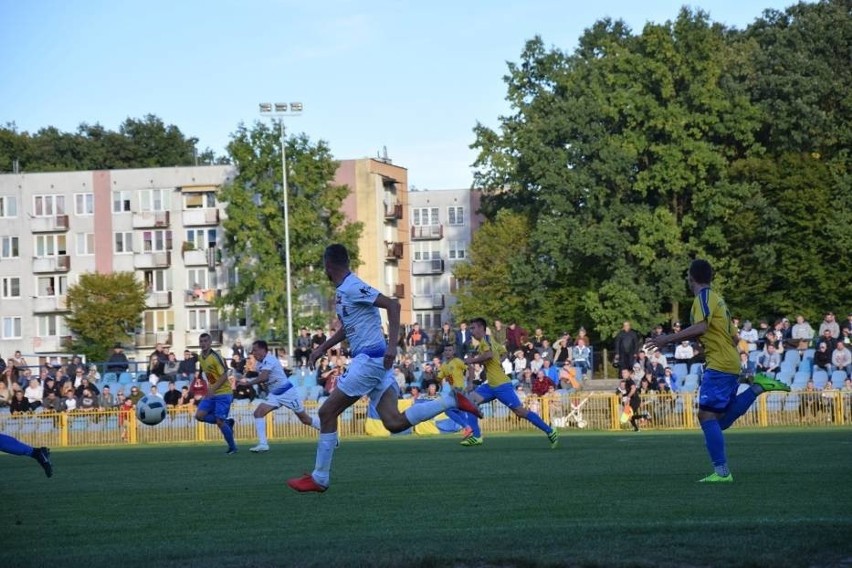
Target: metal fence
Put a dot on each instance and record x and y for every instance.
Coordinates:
(594, 411)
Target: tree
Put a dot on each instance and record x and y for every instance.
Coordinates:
(254, 227)
(620, 156)
(105, 309)
(138, 143)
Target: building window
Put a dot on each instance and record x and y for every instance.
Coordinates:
(429, 320)
(51, 326)
(120, 201)
(10, 287)
(238, 318)
(425, 216)
(202, 320)
(457, 250)
(84, 203)
(156, 241)
(455, 215)
(158, 280)
(423, 251)
(201, 277)
(206, 199)
(8, 206)
(51, 286)
(85, 244)
(9, 247)
(201, 239)
(123, 243)
(155, 199)
(50, 245)
(48, 205)
(12, 327)
(158, 321)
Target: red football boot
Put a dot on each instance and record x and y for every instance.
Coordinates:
(306, 484)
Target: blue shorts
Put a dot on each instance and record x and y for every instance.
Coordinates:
(718, 391)
(219, 406)
(505, 393)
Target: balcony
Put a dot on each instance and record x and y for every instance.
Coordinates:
(150, 219)
(197, 217)
(399, 291)
(48, 304)
(428, 302)
(160, 259)
(209, 257)
(48, 264)
(54, 224)
(158, 300)
(393, 211)
(393, 251)
(191, 337)
(427, 267)
(51, 344)
(152, 338)
(427, 232)
(199, 297)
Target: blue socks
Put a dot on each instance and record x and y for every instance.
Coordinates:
(228, 434)
(737, 408)
(14, 446)
(457, 416)
(538, 422)
(715, 444)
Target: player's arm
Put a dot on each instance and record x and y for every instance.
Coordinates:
(262, 377)
(335, 338)
(391, 306)
(694, 331)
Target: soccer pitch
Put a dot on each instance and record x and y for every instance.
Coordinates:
(599, 499)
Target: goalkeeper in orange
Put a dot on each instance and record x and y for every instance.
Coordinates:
(453, 372)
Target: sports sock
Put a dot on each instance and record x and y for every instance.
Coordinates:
(14, 446)
(715, 442)
(457, 416)
(228, 434)
(538, 422)
(325, 451)
(260, 426)
(315, 422)
(473, 422)
(739, 407)
(420, 411)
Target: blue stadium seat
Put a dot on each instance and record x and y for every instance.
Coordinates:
(807, 364)
(690, 383)
(788, 367)
(142, 376)
(108, 378)
(314, 392)
(125, 378)
(800, 380)
(145, 387)
(309, 380)
(809, 354)
(680, 370)
(754, 356)
(791, 356)
(837, 378)
(786, 376)
(820, 378)
(696, 369)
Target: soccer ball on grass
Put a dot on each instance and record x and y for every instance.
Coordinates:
(151, 409)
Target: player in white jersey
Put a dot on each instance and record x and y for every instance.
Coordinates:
(281, 393)
(370, 372)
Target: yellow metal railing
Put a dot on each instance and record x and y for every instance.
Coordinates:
(592, 411)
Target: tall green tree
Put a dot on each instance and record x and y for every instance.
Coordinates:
(620, 155)
(254, 227)
(138, 143)
(105, 309)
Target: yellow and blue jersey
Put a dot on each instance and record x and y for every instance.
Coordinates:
(213, 367)
(453, 371)
(718, 340)
(493, 368)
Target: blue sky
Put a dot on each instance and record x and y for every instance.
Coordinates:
(414, 77)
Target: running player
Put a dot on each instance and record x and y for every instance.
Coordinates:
(453, 372)
(216, 404)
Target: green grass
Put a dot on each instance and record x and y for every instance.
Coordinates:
(600, 499)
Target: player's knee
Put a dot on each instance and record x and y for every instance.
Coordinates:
(520, 411)
(395, 424)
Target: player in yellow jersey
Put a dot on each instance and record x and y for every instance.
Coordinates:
(453, 372)
(718, 403)
(216, 404)
(497, 386)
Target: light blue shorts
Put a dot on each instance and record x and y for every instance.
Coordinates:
(367, 375)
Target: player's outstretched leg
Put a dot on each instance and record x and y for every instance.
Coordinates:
(13, 446)
(760, 384)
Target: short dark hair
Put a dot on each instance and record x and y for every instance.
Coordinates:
(203, 335)
(337, 255)
(262, 344)
(480, 321)
(701, 271)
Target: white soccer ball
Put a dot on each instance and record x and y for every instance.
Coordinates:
(151, 409)
(582, 423)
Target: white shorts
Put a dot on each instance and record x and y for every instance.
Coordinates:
(289, 399)
(367, 376)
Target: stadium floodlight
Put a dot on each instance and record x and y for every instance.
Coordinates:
(277, 113)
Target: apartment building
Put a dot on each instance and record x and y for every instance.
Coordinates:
(161, 223)
(442, 226)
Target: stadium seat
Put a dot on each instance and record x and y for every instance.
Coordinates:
(314, 392)
(791, 356)
(690, 383)
(144, 387)
(754, 356)
(309, 380)
(109, 378)
(680, 370)
(142, 376)
(787, 367)
(786, 376)
(820, 378)
(837, 378)
(696, 369)
(807, 364)
(125, 378)
(809, 354)
(800, 380)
